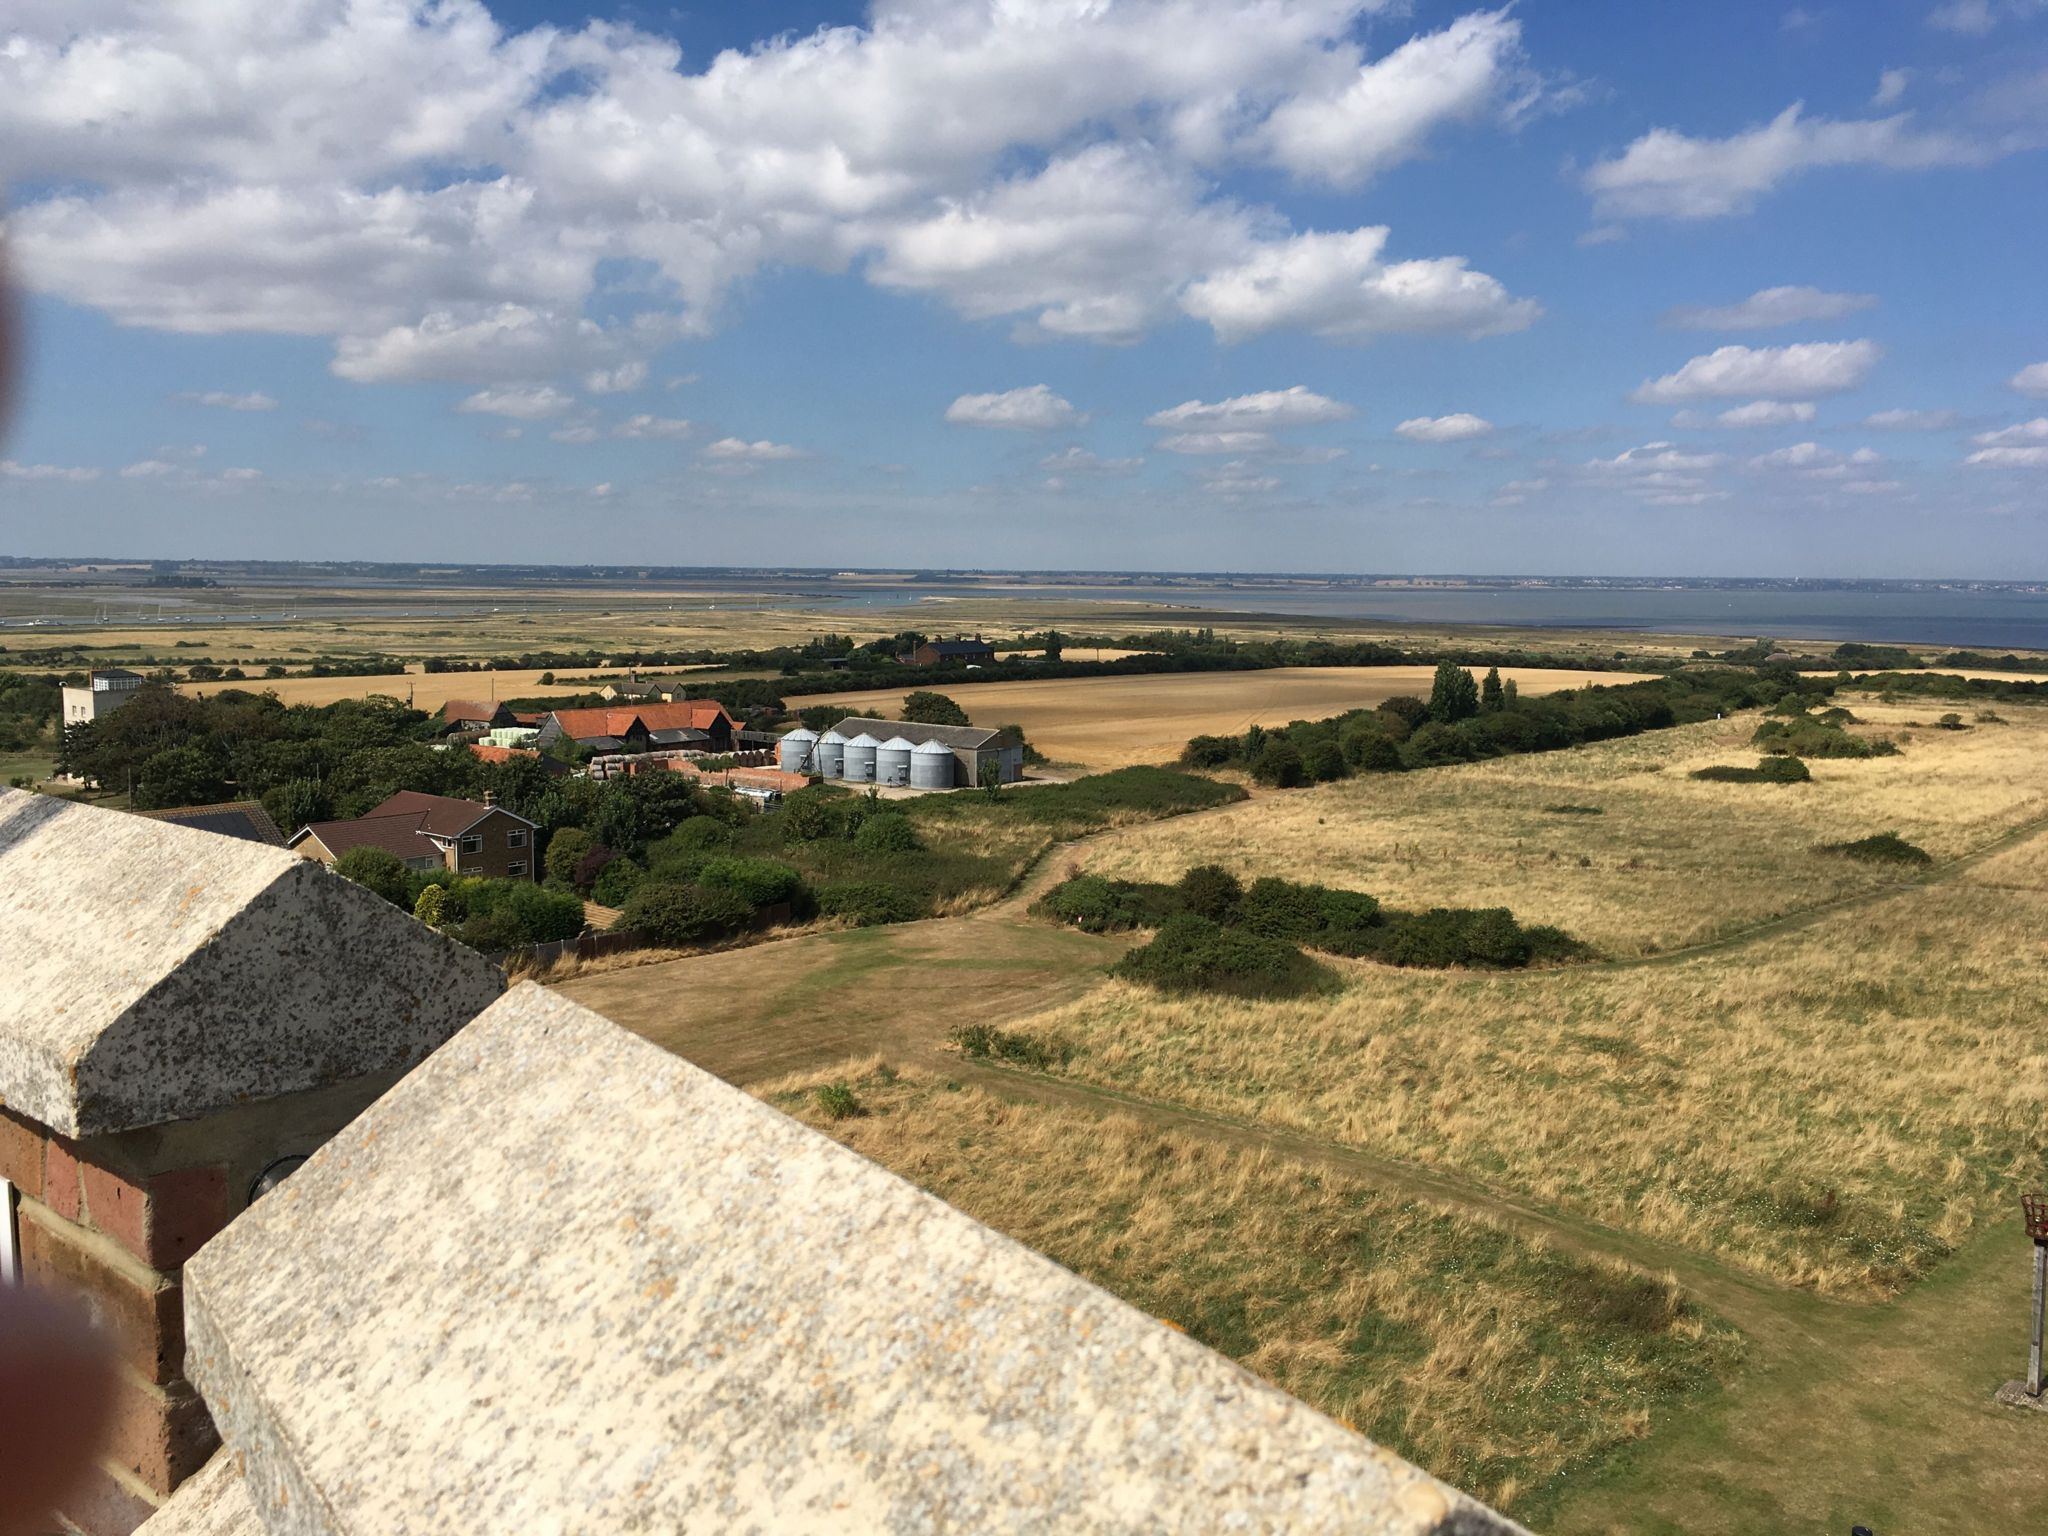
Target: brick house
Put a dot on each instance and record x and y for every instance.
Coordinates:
(430, 832)
(972, 653)
(474, 715)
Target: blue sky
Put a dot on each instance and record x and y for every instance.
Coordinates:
(1594, 287)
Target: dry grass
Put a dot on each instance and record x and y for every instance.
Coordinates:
(1493, 1361)
(1668, 862)
(1833, 1107)
(1113, 722)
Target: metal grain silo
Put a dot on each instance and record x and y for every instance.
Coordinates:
(797, 751)
(832, 755)
(892, 761)
(860, 759)
(931, 765)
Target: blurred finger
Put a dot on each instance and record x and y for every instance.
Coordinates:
(56, 1392)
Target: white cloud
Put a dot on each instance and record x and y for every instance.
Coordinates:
(2035, 431)
(2010, 458)
(1237, 479)
(616, 381)
(1891, 85)
(601, 490)
(582, 432)
(1974, 18)
(241, 474)
(738, 450)
(644, 427)
(1769, 307)
(1516, 492)
(531, 402)
(1033, 408)
(1456, 428)
(1667, 174)
(221, 400)
(148, 469)
(1078, 460)
(2031, 380)
(1897, 420)
(1335, 286)
(1655, 458)
(1267, 410)
(1814, 461)
(1871, 487)
(1758, 413)
(1361, 122)
(1218, 442)
(76, 473)
(1804, 370)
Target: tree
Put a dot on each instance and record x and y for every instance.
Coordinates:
(1509, 693)
(927, 708)
(565, 849)
(1453, 695)
(1055, 644)
(1279, 764)
(992, 777)
(820, 717)
(1324, 760)
(431, 907)
(378, 871)
(1491, 696)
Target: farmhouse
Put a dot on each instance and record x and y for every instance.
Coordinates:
(700, 725)
(859, 750)
(976, 652)
(474, 715)
(105, 691)
(431, 832)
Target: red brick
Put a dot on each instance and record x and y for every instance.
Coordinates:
(163, 1221)
(143, 1319)
(60, 1179)
(159, 1437)
(21, 1154)
(104, 1504)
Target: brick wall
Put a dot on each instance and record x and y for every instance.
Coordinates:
(498, 858)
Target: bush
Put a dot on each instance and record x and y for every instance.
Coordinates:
(379, 871)
(1810, 736)
(813, 814)
(565, 849)
(983, 1042)
(1324, 761)
(1279, 764)
(1096, 905)
(615, 882)
(1280, 909)
(1193, 954)
(889, 832)
(1882, 848)
(870, 903)
(431, 905)
(1211, 891)
(1769, 770)
(925, 707)
(1209, 751)
(757, 882)
(1573, 810)
(590, 866)
(838, 1101)
(675, 914)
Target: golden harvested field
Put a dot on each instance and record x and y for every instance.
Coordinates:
(428, 691)
(1114, 722)
(1669, 861)
(1497, 1362)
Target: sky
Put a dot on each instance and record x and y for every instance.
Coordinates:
(1559, 287)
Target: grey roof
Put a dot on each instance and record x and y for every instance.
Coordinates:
(800, 735)
(245, 819)
(157, 973)
(959, 647)
(742, 1326)
(966, 738)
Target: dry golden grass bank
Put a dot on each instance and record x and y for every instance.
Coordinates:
(1495, 1362)
(1833, 1106)
(1668, 861)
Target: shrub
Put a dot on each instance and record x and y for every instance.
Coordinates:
(813, 814)
(889, 832)
(1950, 722)
(1368, 748)
(758, 882)
(615, 882)
(1279, 764)
(1573, 810)
(870, 903)
(928, 708)
(1407, 709)
(1096, 905)
(1882, 848)
(1280, 909)
(984, 1042)
(1324, 761)
(1211, 891)
(1812, 737)
(838, 1101)
(431, 906)
(699, 834)
(565, 848)
(590, 866)
(675, 914)
(1770, 770)
(1193, 954)
(1209, 751)
(379, 871)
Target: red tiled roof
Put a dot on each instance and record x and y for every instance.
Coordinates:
(470, 709)
(694, 714)
(491, 754)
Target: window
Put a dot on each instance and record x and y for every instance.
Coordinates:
(516, 838)
(10, 1247)
(473, 842)
(516, 870)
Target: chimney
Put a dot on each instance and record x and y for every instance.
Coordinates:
(490, 797)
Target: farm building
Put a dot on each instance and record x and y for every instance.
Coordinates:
(474, 715)
(974, 653)
(701, 725)
(863, 751)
